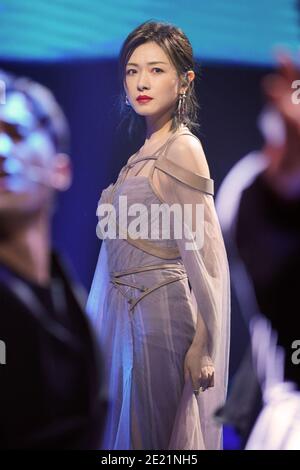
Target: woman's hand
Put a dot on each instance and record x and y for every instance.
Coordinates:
(199, 366)
(279, 88)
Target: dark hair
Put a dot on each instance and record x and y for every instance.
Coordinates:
(179, 50)
(43, 106)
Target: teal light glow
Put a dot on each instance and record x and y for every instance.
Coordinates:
(227, 30)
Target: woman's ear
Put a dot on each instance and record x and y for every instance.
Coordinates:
(188, 78)
(62, 172)
(190, 74)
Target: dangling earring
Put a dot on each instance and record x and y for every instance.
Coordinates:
(181, 106)
(127, 102)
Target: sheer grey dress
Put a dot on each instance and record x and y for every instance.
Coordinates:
(144, 301)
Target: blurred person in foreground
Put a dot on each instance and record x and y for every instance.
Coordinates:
(259, 208)
(51, 391)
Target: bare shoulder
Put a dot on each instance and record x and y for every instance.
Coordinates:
(187, 151)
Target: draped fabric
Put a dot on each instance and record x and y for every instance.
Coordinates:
(144, 301)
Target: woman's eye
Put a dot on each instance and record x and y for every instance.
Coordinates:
(156, 69)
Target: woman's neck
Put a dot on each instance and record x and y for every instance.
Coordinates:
(157, 132)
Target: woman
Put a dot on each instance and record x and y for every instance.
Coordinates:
(161, 304)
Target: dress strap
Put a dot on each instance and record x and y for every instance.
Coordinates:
(141, 159)
(158, 152)
(185, 176)
(163, 151)
(182, 174)
(178, 273)
(134, 159)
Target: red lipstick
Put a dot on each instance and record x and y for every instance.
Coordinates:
(144, 98)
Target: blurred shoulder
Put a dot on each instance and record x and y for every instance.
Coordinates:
(186, 151)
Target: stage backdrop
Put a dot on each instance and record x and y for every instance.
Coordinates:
(230, 30)
(72, 48)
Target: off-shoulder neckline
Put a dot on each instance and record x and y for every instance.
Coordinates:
(154, 154)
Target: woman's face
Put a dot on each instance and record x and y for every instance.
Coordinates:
(149, 72)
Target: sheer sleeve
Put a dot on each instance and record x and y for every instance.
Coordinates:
(96, 304)
(204, 257)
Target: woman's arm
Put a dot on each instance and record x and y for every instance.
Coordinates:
(202, 251)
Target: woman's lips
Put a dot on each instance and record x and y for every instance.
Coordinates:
(144, 100)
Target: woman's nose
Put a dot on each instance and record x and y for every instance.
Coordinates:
(143, 81)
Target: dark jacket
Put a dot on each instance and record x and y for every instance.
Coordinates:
(268, 241)
(262, 234)
(51, 386)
